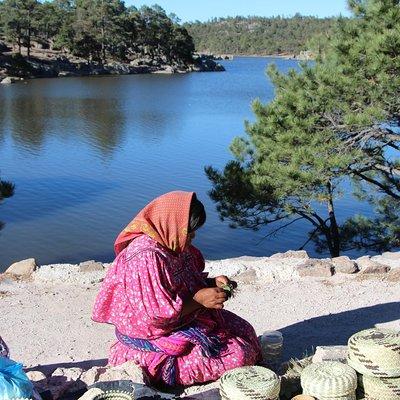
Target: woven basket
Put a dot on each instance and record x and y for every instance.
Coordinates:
(114, 395)
(249, 383)
(376, 353)
(329, 380)
(380, 388)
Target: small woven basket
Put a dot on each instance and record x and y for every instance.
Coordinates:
(329, 380)
(250, 383)
(376, 353)
(114, 395)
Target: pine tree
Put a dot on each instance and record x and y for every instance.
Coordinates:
(331, 121)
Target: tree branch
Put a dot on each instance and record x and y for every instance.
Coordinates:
(278, 229)
(377, 183)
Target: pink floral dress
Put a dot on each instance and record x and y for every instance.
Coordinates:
(142, 296)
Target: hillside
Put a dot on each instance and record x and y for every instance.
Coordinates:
(257, 35)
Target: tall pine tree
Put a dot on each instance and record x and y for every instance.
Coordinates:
(333, 120)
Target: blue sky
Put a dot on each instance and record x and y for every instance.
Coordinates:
(190, 10)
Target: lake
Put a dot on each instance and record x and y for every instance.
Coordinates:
(86, 154)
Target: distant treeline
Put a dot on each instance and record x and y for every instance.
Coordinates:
(97, 30)
(257, 35)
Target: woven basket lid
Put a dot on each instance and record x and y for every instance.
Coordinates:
(380, 388)
(375, 352)
(329, 379)
(247, 383)
(114, 395)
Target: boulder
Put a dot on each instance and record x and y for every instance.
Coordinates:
(330, 353)
(369, 266)
(167, 70)
(10, 79)
(316, 268)
(38, 379)
(376, 269)
(392, 259)
(392, 255)
(344, 265)
(128, 371)
(292, 254)
(36, 376)
(92, 375)
(22, 269)
(91, 266)
(7, 81)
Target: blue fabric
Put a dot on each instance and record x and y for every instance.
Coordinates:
(14, 383)
(210, 347)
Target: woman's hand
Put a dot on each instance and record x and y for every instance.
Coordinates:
(211, 297)
(223, 280)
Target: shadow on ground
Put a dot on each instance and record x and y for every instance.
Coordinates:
(334, 329)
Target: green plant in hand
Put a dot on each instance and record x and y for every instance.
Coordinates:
(229, 289)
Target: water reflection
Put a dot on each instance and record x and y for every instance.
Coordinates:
(101, 121)
(27, 121)
(30, 121)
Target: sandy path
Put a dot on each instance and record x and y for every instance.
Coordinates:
(50, 324)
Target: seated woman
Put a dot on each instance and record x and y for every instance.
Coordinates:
(168, 315)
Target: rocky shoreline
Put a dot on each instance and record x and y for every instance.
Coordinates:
(313, 302)
(52, 64)
(278, 267)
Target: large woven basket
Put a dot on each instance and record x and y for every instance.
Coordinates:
(250, 383)
(329, 380)
(376, 353)
(380, 388)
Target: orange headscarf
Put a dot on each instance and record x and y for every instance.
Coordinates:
(165, 219)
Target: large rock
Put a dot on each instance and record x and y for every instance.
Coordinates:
(36, 376)
(10, 79)
(392, 259)
(22, 269)
(369, 266)
(292, 254)
(344, 265)
(166, 70)
(392, 255)
(127, 371)
(91, 266)
(330, 353)
(92, 375)
(316, 268)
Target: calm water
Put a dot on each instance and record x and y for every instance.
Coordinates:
(87, 153)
